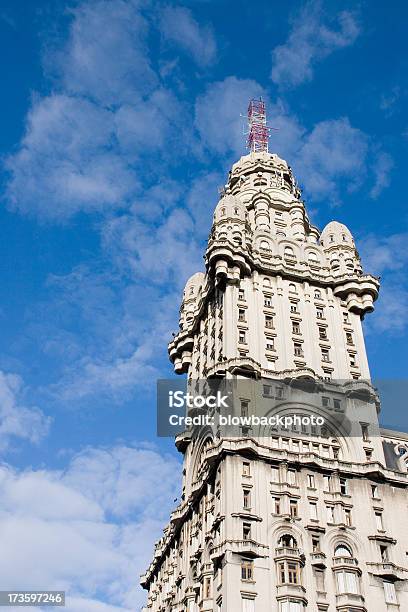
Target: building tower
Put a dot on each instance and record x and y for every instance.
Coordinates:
(305, 520)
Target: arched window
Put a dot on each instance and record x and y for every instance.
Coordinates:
(288, 252)
(342, 550)
(222, 236)
(237, 237)
(266, 281)
(292, 288)
(222, 211)
(287, 540)
(317, 294)
(281, 234)
(349, 264)
(265, 246)
(312, 256)
(335, 264)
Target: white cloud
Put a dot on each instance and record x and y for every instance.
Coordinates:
(383, 165)
(178, 25)
(16, 419)
(66, 161)
(106, 56)
(383, 254)
(82, 525)
(312, 38)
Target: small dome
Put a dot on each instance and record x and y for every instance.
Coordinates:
(230, 207)
(336, 233)
(193, 286)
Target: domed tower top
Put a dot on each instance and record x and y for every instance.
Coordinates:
(336, 234)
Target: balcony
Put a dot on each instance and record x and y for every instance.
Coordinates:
(350, 599)
(249, 548)
(287, 551)
(317, 558)
(345, 561)
(387, 569)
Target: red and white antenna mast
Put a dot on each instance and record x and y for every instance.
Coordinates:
(258, 130)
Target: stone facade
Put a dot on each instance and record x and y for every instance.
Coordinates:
(282, 522)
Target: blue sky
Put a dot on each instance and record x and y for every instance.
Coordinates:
(120, 120)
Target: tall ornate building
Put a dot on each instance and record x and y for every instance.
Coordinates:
(295, 521)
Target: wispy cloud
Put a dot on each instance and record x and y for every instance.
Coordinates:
(178, 26)
(17, 420)
(314, 35)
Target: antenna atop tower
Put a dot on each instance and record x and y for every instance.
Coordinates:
(258, 130)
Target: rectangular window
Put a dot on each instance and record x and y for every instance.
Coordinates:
(320, 312)
(247, 570)
(327, 483)
(330, 514)
(246, 531)
(241, 315)
(364, 432)
(246, 498)
(325, 402)
(267, 390)
(267, 301)
(349, 338)
(291, 606)
(292, 477)
(242, 337)
(353, 360)
(336, 404)
(295, 327)
(293, 308)
(246, 468)
(325, 354)
(293, 573)
(270, 345)
(315, 544)
(346, 317)
(347, 582)
(384, 553)
(319, 577)
(293, 507)
(374, 491)
(244, 408)
(269, 321)
(343, 486)
(311, 481)
(347, 517)
(241, 295)
(389, 592)
(276, 505)
(322, 333)
(207, 588)
(313, 510)
(275, 474)
(297, 349)
(379, 521)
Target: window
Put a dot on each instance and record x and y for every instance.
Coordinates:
(325, 401)
(319, 577)
(267, 390)
(246, 498)
(293, 508)
(327, 483)
(297, 349)
(342, 550)
(293, 573)
(288, 252)
(246, 531)
(246, 468)
(353, 360)
(379, 521)
(374, 491)
(265, 246)
(241, 314)
(368, 454)
(343, 486)
(317, 294)
(315, 544)
(291, 605)
(276, 505)
(312, 257)
(269, 321)
(311, 481)
(346, 317)
(207, 587)
(241, 295)
(275, 474)
(292, 288)
(295, 327)
(347, 517)
(325, 354)
(364, 432)
(349, 338)
(330, 514)
(319, 312)
(347, 582)
(336, 404)
(242, 337)
(293, 308)
(270, 345)
(322, 333)
(247, 568)
(313, 510)
(244, 408)
(389, 592)
(267, 301)
(292, 477)
(384, 553)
